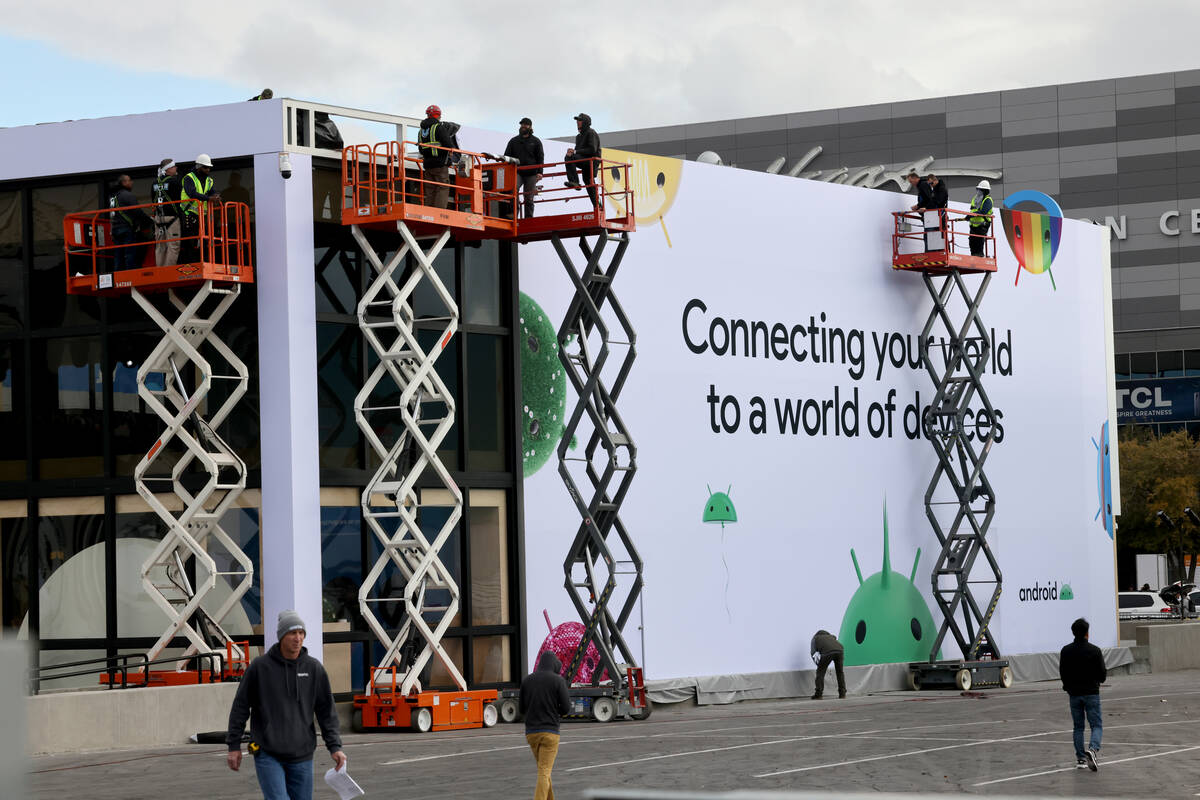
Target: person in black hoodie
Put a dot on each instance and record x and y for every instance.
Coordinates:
(280, 693)
(432, 140)
(527, 150)
(127, 224)
(544, 700)
(579, 157)
(826, 650)
(1081, 668)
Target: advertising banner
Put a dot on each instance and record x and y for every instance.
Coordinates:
(776, 403)
(1158, 400)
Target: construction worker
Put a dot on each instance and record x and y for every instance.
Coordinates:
(924, 197)
(527, 149)
(126, 224)
(165, 192)
(980, 218)
(280, 694)
(435, 141)
(580, 157)
(265, 94)
(196, 193)
(826, 650)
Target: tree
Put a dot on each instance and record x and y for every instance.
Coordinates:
(1159, 473)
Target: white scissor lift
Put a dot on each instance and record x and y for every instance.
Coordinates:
(190, 477)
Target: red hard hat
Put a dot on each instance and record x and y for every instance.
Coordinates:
(433, 111)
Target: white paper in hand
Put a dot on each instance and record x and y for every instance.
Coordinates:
(341, 782)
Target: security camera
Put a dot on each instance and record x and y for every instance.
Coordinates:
(285, 166)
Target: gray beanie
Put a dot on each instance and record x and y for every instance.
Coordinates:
(288, 621)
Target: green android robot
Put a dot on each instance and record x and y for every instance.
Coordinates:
(1067, 593)
(543, 387)
(719, 507)
(887, 620)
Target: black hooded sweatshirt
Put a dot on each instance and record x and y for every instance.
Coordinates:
(528, 151)
(280, 697)
(1081, 668)
(587, 141)
(434, 132)
(544, 696)
(824, 643)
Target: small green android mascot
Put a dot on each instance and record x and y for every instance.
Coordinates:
(887, 620)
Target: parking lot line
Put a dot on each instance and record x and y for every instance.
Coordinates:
(1106, 764)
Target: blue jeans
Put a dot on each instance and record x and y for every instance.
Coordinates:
(124, 257)
(1088, 704)
(284, 780)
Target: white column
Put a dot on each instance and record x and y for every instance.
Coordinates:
(287, 376)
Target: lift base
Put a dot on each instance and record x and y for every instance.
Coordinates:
(425, 711)
(599, 703)
(989, 673)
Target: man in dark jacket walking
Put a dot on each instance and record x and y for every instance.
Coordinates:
(280, 693)
(127, 223)
(579, 157)
(432, 140)
(826, 649)
(1081, 668)
(527, 149)
(544, 700)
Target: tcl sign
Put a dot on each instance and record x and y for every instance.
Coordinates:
(1142, 397)
(1158, 400)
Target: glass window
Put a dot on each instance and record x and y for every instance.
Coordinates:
(68, 400)
(391, 582)
(1191, 362)
(1121, 366)
(12, 414)
(439, 675)
(1170, 364)
(327, 195)
(481, 284)
(337, 279)
(14, 573)
(54, 308)
(72, 596)
(134, 427)
(338, 382)
(12, 262)
(447, 370)
(1142, 365)
(486, 403)
(489, 560)
(341, 563)
(491, 659)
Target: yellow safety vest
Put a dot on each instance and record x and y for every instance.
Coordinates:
(189, 205)
(430, 134)
(984, 209)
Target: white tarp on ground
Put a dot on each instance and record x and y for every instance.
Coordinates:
(777, 355)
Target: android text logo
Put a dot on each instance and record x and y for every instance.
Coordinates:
(887, 620)
(1033, 236)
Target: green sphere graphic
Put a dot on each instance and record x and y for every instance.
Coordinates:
(543, 387)
(887, 620)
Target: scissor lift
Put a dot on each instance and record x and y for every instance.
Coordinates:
(405, 410)
(189, 459)
(959, 500)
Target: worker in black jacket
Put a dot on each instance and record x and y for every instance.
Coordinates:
(280, 693)
(826, 650)
(1081, 668)
(127, 223)
(583, 157)
(527, 149)
(435, 141)
(544, 700)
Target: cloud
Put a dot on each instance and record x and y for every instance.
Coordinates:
(629, 64)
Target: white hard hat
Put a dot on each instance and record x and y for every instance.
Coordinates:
(983, 184)
(203, 160)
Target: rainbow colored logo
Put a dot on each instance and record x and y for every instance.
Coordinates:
(1033, 236)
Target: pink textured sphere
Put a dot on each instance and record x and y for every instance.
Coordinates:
(563, 641)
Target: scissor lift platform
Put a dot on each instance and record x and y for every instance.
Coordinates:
(950, 246)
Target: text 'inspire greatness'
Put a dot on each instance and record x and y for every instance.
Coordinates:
(840, 412)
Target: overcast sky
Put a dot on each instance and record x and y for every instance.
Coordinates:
(628, 64)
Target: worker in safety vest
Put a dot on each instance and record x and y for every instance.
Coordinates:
(196, 193)
(980, 218)
(433, 140)
(165, 192)
(126, 224)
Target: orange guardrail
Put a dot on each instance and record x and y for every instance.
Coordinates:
(218, 247)
(944, 246)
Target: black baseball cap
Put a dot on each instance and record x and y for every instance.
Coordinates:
(525, 121)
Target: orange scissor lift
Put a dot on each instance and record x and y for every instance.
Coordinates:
(960, 501)
(189, 459)
(405, 410)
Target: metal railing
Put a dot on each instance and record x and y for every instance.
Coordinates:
(955, 231)
(300, 119)
(125, 664)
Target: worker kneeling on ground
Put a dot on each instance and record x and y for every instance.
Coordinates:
(280, 693)
(544, 699)
(826, 649)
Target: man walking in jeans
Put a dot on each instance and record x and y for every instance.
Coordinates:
(1081, 668)
(544, 699)
(280, 693)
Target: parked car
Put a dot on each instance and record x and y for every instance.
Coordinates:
(1142, 605)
